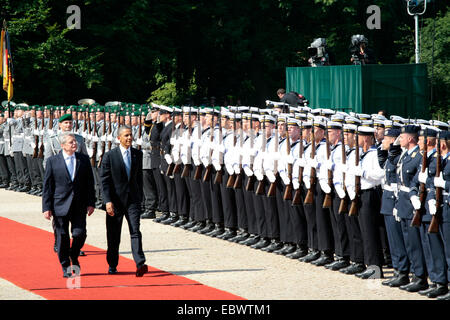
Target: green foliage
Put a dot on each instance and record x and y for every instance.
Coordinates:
(172, 50)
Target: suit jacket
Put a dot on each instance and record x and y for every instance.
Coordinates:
(59, 191)
(166, 134)
(114, 180)
(155, 143)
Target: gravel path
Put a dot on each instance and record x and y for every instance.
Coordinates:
(246, 272)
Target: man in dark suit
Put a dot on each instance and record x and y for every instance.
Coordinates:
(122, 184)
(68, 193)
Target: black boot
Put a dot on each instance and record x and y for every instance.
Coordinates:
(401, 279)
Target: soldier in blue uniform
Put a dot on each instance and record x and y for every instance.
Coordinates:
(407, 168)
(400, 261)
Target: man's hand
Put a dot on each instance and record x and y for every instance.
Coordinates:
(110, 209)
(90, 210)
(48, 214)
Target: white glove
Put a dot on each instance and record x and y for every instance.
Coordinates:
(168, 158)
(301, 162)
(84, 134)
(89, 136)
(290, 159)
(341, 167)
(328, 164)
(415, 202)
(229, 168)
(216, 165)
(236, 168)
(351, 193)
(110, 137)
(439, 181)
(196, 161)
(285, 178)
(95, 138)
(395, 189)
(259, 176)
(423, 176)
(295, 184)
(397, 141)
(307, 183)
(324, 186)
(313, 162)
(270, 176)
(33, 145)
(103, 138)
(172, 141)
(10, 120)
(357, 171)
(432, 206)
(176, 155)
(138, 141)
(36, 132)
(340, 191)
(247, 171)
(394, 212)
(90, 152)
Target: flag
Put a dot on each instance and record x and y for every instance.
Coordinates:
(6, 67)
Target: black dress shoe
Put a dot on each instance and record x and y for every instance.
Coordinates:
(444, 297)
(188, 225)
(262, 243)
(171, 219)
(389, 280)
(181, 222)
(67, 272)
(298, 253)
(426, 291)
(141, 270)
(354, 268)
(370, 273)
(228, 235)
(401, 280)
(338, 264)
(82, 253)
(311, 256)
(416, 285)
(217, 231)
(440, 290)
(240, 237)
(253, 239)
(325, 258)
(148, 215)
(197, 226)
(208, 228)
(162, 217)
(112, 270)
(275, 245)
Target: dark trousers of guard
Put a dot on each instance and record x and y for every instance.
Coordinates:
(286, 230)
(368, 217)
(228, 203)
(340, 233)
(355, 238)
(216, 199)
(23, 177)
(414, 248)
(199, 212)
(323, 222)
(35, 176)
(39, 170)
(12, 171)
(163, 200)
(258, 204)
(399, 255)
(310, 213)
(97, 181)
(298, 218)
(242, 222)
(205, 188)
(4, 173)
(250, 209)
(182, 194)
(150, 190)
(271, 213)
(171, 193)
(191, 194)
(433, 249)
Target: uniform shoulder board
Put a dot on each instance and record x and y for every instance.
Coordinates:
(413, 154)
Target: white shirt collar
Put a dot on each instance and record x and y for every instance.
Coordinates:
(122, 149)
(66, 156)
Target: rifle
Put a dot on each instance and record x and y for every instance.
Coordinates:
(139, 147)
(187, 166)
(355, 203)
(94, 146)
(288, 190)
(417, 218)
(103, 142)
(41, 147)
(180, 135)
(207, 174)
(238, 180)
(171, 166)
(272, 188)
(219, 173)
(251, 180)
(232, 178)
(36, 138)
(327, 200)
(260, 187)
(434, 224)
(343, 206)
(309, 199)
(198, 169)
(76, 120)
(297, 195)
(110, 131)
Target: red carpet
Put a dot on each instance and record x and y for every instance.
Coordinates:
(28, 261)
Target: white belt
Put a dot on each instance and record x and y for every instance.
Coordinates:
(405, 189)
(388, 187)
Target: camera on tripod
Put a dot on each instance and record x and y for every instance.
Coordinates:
(318, 55)
(358, 42)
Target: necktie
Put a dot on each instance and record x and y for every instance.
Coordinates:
(127, 162)
(71, 167)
